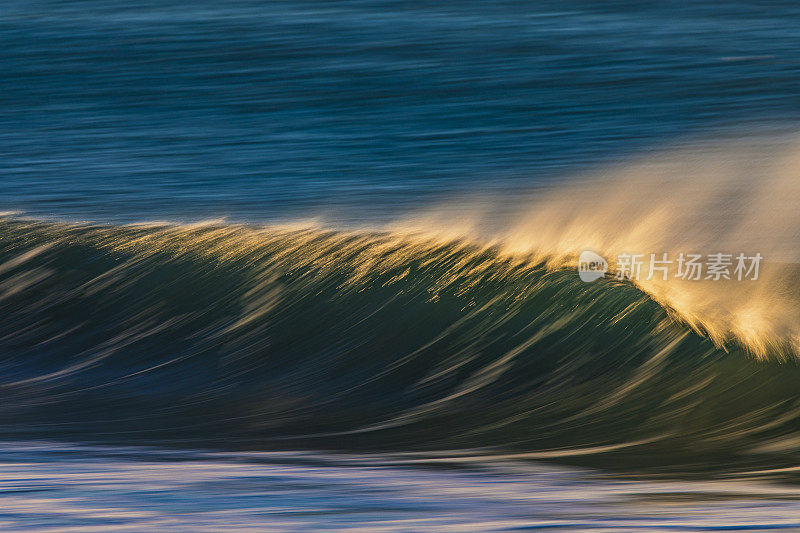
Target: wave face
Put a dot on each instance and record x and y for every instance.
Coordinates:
(278, 336)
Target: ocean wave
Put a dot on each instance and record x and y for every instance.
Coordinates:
(284, 336)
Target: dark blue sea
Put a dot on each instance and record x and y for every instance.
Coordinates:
(258, 111)
(310, 265)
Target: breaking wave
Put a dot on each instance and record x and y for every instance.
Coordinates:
(274, 336)
(454, 333)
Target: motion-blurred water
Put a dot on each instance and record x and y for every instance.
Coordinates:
(68, 488)
(253, 110)
(443, 351)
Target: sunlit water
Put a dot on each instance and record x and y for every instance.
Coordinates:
(358, 113)
(57, 487)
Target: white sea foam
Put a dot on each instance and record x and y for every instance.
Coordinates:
(733, 197)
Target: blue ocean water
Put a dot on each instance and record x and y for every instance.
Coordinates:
(163, 376)
(257, 111)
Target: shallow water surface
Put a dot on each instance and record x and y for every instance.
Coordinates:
(59, 487)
